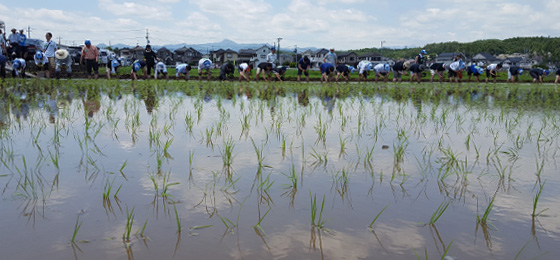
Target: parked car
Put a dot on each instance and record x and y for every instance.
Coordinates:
(32, 46)
(75, 53)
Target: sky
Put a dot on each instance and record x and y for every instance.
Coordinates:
(339, 24)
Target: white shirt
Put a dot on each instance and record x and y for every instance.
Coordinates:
(363, 66)
(201, 64)
(455, 65)
(160, 68)
(492, 67)
(272, 59)
(21, 66)
(182, 68)
(49, 48)
(13, 38)
(243, 66)
(380, 68)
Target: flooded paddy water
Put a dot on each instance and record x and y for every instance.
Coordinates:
(145, 170)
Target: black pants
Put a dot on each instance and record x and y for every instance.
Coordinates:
(92, 64)
(149, 67)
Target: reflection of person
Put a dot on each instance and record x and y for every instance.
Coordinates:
(327, 72)
(150, 100)
(90, 54)
(226, 70)
(303, 66)
(42, 64)
(513, 73)
(245, 71)
(183, 70)
(49, 48)
(303, 98)
(137, 66)
(262, 69)
(91, 104)
(204, 64)
(160, 69)
(63, 61)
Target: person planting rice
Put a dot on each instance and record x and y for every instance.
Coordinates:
(183, 70)
(226, 70)
(492, 71)
(475, 71)
(363, 67)
(538, 74)
(42, 63)
(18, 66)
(160, 68)
(344, 71)
(113, 65)
(399, 69)
(204, 65)
(437, 69)
(382, 71)
(415, 71)
(245, 71)
(513, 73)
(303, 65)
(279, 72)
(63, 62)
(262, 69)
(454, 69)
(327, 70)
(137, 66)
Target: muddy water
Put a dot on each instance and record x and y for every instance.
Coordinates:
(411, 152)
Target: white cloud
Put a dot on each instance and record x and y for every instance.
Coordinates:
(149, 10)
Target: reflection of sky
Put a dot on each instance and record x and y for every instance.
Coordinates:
(81, 184)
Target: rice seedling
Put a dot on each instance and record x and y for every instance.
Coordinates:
(189, 122)
(317, 219)
(343, 143)
(484, 218)
(258, 152)
(177, 220)
(370, 227)
(292, 177)
(536, 201)
(129, 223)
(258, 225)
(439, 211)
(166, 184)
(227, 153)
(77, 227)
(141, 231)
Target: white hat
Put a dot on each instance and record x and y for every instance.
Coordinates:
(61, 54)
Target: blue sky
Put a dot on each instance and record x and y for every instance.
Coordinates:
(342, 24)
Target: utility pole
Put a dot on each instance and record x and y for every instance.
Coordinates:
(278, 53)
(147, 36)
(59, 40)
(28, 31)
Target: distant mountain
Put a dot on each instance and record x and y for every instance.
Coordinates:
(206, 47)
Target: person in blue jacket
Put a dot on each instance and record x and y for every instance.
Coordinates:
(303, 67)
(474, 71)
(137, 66)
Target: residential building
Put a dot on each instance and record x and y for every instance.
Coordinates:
(222, 56)
(261, 54)
(485, 58)
(446, 57)
(165, 55)
(137, 53)
(187, 55)
(286, 58)
(246, 55)
(373, 57)
(349, 58)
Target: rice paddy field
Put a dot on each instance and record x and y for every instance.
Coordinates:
(209, 170)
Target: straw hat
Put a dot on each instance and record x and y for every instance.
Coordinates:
(61, 54)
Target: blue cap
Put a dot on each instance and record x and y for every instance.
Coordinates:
(370, 66)
(387, 67)
(520, 71)
(462, 65)
(352, 69)
(87, 42)
(38, 55)
(115, 63)
(16, 64)
(423, 52)
(480, 70)
(547, 72)
(207, 64)
(273, 49)
(136, 66)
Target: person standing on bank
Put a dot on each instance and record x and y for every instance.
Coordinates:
(49, 48)
(22, 45)
(151, 59)
(421, 58)
(91, 55)
(13, 40)
(272, 58)
(330, 58)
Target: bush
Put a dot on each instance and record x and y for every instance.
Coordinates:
(293, 65)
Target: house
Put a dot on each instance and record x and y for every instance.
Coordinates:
(447, 57)
(317, 57)
(137, 53)
(373, 57)
(222, 56)
(165, 55)
(261, 54)
(349, 58)
(187, 55)
(125, 53)
(485, 58)
(246, 55)
(286, 58)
